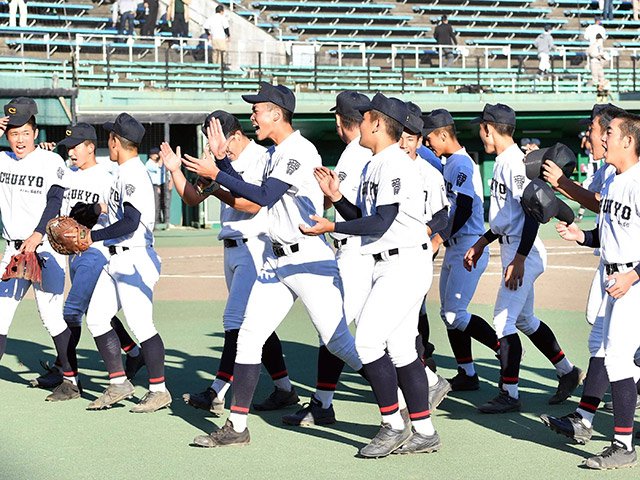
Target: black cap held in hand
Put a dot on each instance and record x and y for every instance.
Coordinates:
(127, 127)
(540, 202)
(559, 153)
(276, 94)
(20, 110)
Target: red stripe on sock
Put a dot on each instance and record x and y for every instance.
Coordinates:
(240, 410)
(156, 380)
(326, 386)
(128, 348)
(558, 357)
(588, 407)
(117, 374)
(497, 347)
(69, 374)
(623, 430)
(420, 415)
(224, 376)
(461, 361)
(510, 380)
(389, 409)
(279, 375)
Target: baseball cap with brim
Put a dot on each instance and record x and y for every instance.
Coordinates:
(228, 122)
(540, 201)
(20, 110)
(76, 134)
(436, 119)
(414, 121)
(559, 153)
(347, 104)
(127, 127)
(498, 113)
(597, 110)
(154, 151)
(390, 106)
(276, 94)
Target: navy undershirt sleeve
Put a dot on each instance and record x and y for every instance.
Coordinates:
(52, 208)
(125, 226)
(375, 224)
(464, 208)
(439, 221)
(347, 209)
(265, 195)
(529, 232)
(225, 166)
(591, 238)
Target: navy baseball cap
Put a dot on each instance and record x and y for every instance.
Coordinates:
(348, 104)
(154, 151)
(20, 110)
(559, 153)
(599, 108)
(390, 106)
(414, 122)
(228, 122)
(76, 134)
(276, 94)
(127, 127)
(498, 113)
(436, 119)
(525, 141)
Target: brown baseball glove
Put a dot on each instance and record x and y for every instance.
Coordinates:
(27, 265)
(67, 236)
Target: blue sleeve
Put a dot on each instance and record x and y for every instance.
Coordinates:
(265, 195)
(529, 232)
(52, 208)
(225, 166)
(347, 209)
(430, 157)
(592, 239)
(439, 221)
(372, 225)
(125, 226)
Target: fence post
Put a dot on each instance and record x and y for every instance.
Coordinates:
(74, 70)
(108, 68)
(553, 76)
(478, 72)
(368, 74)
(315, 70)
(633, 61)
(618, 72)
(259, 68)
(402, 71)
(166, 67)
(222, 69)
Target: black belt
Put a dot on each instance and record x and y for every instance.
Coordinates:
(232, 243)
(113, 249)
(451, 241)
(279, 250)
(394, 251)
(615, 267)
(505, 239)
(340, 243)
(16, 243)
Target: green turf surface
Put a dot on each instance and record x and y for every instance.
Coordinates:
(64, 441)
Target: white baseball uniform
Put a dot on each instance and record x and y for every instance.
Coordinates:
(435, 195)
(391, 322)
(133, 269)
(24, 184)
(245, 240)
(457, 285)
(356, 269)
(513, 308)
(306, 266)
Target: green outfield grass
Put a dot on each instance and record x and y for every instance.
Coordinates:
(41, 440)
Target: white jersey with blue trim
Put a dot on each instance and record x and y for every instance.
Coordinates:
(292, 162)
(236, 224)
(462, 176)
(24, 185)
(132, 185)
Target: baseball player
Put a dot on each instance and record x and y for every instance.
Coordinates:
(616, 235)
(299, 267)
(436, 207)
(465, 225)
(32, 184)
(243, 227)
(389, 215)
(578, 425)
(128, 278)
(523, 260)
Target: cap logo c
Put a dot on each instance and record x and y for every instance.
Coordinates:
(12, 110)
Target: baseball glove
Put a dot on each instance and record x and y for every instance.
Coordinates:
(86, 214)
(27, 265)
(67, 236)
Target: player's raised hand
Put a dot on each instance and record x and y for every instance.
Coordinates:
(218, 143)
(514, 273)
(619, 284)
(205, 167)
(329, 182)
(47, 146)
(170, 158)
(3, 124)
(570, 233)
(552, 173)
(322, 226)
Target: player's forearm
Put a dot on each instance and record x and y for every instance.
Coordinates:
(577, 193)
(488, 237)
(375, 225)
(348, 210)
(123, 227)
(185, 189)
(529, 233)
(52, 208)
(238, 203)
(438, 222)
(225, 166)
(591, 238)
(464, 209)
(265, 195)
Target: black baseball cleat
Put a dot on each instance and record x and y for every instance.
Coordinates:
(570, 426)
(207, 400)
(67, 390)
(567, 384)
(51, 379)
(224, 437)
(503, 403)
(113, 394)
(614, 456)
(608, 406)
(311, 414)
(385, 442)
(419, 443)
(277, 400)
(132, 365)
(438, 392)
(463, 382)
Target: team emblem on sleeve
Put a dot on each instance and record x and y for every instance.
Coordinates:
(292, 166)
(519, 179)
(460, 179)
(395, 183)
(342, 176)
(60, 173)
(129, 189)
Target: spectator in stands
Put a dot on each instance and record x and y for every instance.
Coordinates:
(150, 18)
(217, 28)
(127, 10)
(14, 5)
(594, 29)
(178, 15)
(598, 58)
(162, 186)
(445, 35)
(544, 44)
(636, 10)
(607, 9)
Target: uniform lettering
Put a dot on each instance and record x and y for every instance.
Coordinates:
(369, 189)
(498, 187)
(448, 186)
(21, 180)
(615, 210)
(84, 196)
